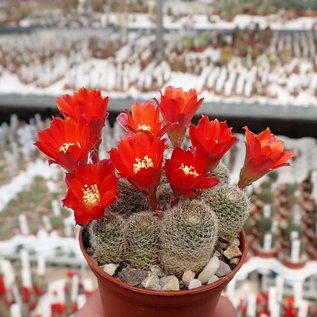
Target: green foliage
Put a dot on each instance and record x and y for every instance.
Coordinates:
(264, 225)
(266, 196)
(231, 206)
(189, 233)
(260, 5)
(291, 226)
(290, 189)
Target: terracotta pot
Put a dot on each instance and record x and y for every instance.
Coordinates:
(311, 236)
(121, 300)
(308, 221)
(258, 251)
(292, 265)
(309, 13)
(312, 253)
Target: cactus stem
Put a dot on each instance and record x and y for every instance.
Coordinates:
(153, 200)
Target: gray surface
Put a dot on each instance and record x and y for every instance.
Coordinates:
(214, 109)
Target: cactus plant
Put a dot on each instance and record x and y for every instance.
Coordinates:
(231, 206)
(165, 196)
(266, 196)
(291, 227)
(166, 207)
(222, 173)
(189, 233)
(264, 225)
(142, 234)
(130, 199)
(107, 238)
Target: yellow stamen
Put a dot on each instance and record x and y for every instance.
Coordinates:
(91, 195)
(65, 147)
(189, 170)
(144, 127)
(142, 164)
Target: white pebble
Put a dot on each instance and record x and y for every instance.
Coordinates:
(194, 284)
(214, 278)
(110, 268)
(169, 283)
(188, 276)
(209, 270)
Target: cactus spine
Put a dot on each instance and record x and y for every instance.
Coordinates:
(231, 206)
(143, 235)
(189, 233)
(107, 239)
(130, 199)
(222, 173)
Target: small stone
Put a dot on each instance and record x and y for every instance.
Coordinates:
(152, 282)
(235, 261)
(236, 242)
(221, 246)
(232, 266)
(232, 252)
(223, 270)
(188, 276)
(214, 278)
(194, 283)
(209, 270)
(217, 254)
(133, 277)
(157, 270)
(169, 283)
(110, 268)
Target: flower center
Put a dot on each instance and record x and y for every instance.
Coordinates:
(189, 170)
(65, 147)
(144, 127)
(91, 195)
(142, 164)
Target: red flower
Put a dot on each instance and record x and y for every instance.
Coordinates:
(66, 143)
(186, 172)
(91, 188)
(178, 108)
(2, 286)
(25, 291)
(264, 153)
(143, 117)
(139, 159)
(87, 107)
(37, 290)
(214, 137)
(58, 308)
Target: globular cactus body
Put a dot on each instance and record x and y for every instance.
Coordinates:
(130, 199)
(165, 196)
(231, 206)
(189, 233)
(143, 236)
(107, 239)
(222, 173)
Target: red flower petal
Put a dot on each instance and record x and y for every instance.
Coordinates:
(264, 153)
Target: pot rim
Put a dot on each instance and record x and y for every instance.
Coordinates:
(224, 280)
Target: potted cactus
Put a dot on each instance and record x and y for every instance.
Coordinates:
(266, 245)
(161, 226)
(296, 257)
(292, 230)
